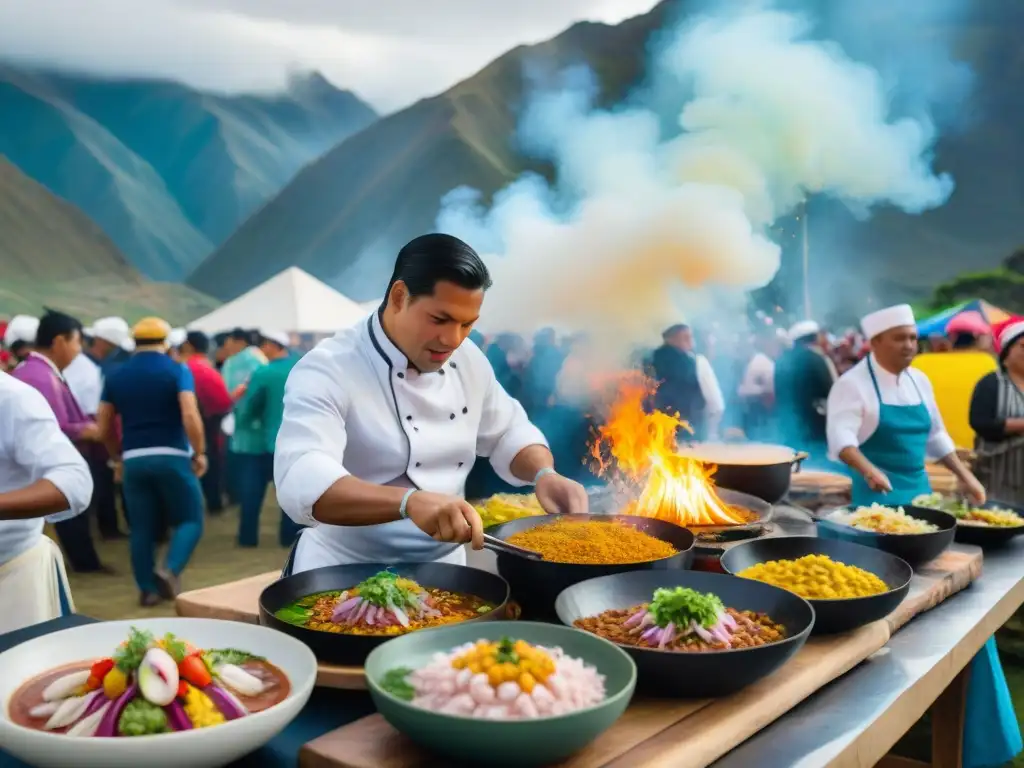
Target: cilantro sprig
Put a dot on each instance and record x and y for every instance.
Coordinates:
(681, 605)
(129, 656)
(395, 683)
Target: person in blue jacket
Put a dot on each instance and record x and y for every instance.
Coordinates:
(883, 423)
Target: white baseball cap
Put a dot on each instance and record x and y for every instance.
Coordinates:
(21, 328)
(278, 337)
(114, 330)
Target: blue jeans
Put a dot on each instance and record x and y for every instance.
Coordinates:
(156, 489)
(255, 471)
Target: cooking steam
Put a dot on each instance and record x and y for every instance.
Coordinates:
(643, 229)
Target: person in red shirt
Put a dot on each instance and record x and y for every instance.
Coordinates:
(214, 404)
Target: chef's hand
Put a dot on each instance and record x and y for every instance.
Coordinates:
(973, 490)
(560, 495)
(877, 481)
(446, 518)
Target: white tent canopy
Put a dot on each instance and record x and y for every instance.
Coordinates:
(292, 301)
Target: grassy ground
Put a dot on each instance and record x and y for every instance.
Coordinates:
(218, 559)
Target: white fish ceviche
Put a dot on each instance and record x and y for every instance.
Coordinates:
(881, 519)
(500, 680)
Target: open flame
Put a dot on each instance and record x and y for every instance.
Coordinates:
(638, 449)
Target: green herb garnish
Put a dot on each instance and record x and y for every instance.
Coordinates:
(217, 656)
(294, 614)
(484, 609)
(681, 605)
(129, 656)
(175, 647)
(382, 590)
(506, 651)
(395, 683)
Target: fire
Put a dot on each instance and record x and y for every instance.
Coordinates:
(639, 449)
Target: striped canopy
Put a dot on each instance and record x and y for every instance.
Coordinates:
(936, 324)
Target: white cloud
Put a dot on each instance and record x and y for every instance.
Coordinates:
(391, 52)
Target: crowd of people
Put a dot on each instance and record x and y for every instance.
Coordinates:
(197, 418)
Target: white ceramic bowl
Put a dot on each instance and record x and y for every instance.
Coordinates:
(200, 748)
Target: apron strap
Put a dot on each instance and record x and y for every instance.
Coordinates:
(289, 565)
(874, 381)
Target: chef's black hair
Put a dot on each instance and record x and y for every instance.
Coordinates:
(430, 259)
(53, 325)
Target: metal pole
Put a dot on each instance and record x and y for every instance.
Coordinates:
(807, 265)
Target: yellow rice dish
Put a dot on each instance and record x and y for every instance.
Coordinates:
(505, 507)
(817, 577)
(879, 519)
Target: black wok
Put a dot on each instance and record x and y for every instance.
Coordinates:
(756, 469)
(915, 548)
(352, 650)
(989, 536)
(536, 584)
(840, 615)
(696, 675)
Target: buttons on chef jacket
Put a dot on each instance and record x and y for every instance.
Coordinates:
(465, 409)
(454, 367)
(400, 375)
(408, 417)
(451, 416)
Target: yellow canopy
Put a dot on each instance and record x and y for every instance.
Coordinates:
(953, 376)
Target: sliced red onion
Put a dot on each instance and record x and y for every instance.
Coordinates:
(108, 725)
(400, 614)
(97, 703)
(728, 620)
(371, 615)
(666, 634)
(702, 633)
(225, 701)
(635, 619)
(650, 634)
(176, 717)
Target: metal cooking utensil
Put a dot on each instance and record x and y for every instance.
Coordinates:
(499, 545)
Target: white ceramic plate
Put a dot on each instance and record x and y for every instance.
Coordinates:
(200, 748)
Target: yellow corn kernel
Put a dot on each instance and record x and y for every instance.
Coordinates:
(527, 682)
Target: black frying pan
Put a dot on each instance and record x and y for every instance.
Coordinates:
(352, 650)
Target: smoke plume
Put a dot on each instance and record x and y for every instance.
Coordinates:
(643, 229)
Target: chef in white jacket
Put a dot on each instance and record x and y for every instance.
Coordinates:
(42, 477)
(382, 424)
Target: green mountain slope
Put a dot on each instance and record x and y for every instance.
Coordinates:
(343, 217)
(52, 254)
(167, 171)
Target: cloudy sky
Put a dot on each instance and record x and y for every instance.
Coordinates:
(390, 52)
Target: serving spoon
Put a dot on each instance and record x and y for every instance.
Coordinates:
(495, 544)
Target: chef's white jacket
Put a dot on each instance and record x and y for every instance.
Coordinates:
(714, 402)
(32, 448)
(759, 377)
(353, 406)
(853, 408)
(85, 382)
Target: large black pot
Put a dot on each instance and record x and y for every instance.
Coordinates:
(757, 469)
(352, 650)
(990, 536)
(696, 675)
(536, 584)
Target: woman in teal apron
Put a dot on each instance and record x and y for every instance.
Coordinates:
(898, 448)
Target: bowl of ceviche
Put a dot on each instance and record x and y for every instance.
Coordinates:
(993, 524)
(501, 693)
(913, 533)
(159, 693)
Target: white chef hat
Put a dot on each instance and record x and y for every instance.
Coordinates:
(177, 337)
(21, 328)
(803, 328)
(886, 319)
(114, 330)
(278, 337)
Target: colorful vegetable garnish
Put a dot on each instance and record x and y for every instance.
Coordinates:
(152, 686)
(967, 514)
(384, 598)
(682, 611)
